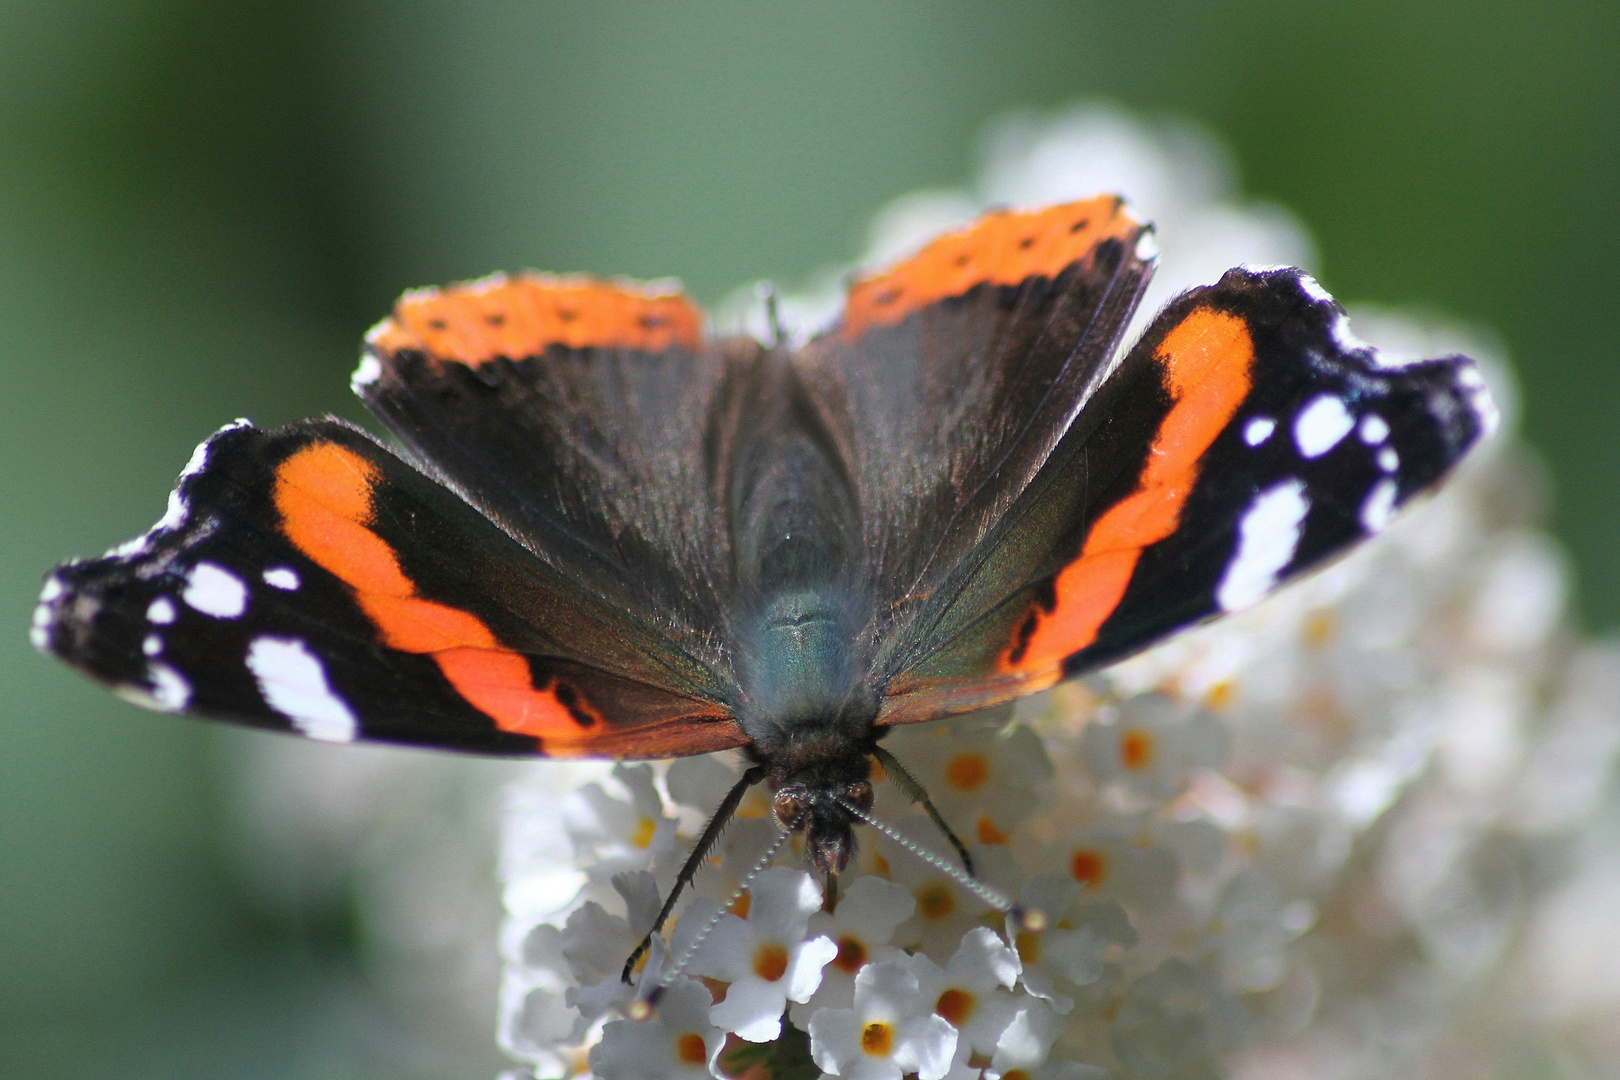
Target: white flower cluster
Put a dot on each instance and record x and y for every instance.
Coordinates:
(1364, 830)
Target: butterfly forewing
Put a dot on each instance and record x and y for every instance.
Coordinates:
(307, 579)
(1245, 440)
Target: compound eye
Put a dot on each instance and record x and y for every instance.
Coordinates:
(789, 808)
(860, 794)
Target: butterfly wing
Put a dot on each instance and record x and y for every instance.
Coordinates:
(308, 579)
(591, 421)
(1247, 439)
(952, 376)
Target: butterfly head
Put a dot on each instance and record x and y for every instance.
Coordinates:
(818, 810)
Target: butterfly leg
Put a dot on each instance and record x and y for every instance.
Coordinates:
(705, 845)
(915, 791)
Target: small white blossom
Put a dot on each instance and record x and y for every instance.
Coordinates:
(861, 927)
(1069, 951)
(971, 992)
(613, 834)
(890, 1031)
(990, 775)
(679, 1043)
(766, 958)
(1151, 745)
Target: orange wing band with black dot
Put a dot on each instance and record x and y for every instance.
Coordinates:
(1003, 248)
(323, 494)
(1208, 362)
(520, 317)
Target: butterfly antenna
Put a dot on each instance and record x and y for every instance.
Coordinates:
(671, 973)
(986, 892)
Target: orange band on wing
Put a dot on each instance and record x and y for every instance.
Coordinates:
(324, 496)
(1208, 360)
(1003, 248)
(519, 317)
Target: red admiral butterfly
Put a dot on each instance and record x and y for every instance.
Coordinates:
(611, 535)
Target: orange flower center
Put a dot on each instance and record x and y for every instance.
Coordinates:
(877, 1039)
(643, 836)
(935, 901)
(965, 772)
(1029, 947)
(690, 1049)
(770, 961)
(1015, 1074)
(989, 834)
(955, 1005)
(851, 954)
(1089, 867)
(1136, 748)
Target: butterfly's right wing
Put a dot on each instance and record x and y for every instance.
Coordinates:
(1246, 439)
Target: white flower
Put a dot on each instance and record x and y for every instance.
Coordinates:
(989, 775)
(1151, 745)
(613, 834)
(867, 914)
(596, 944)
(945, 910)
(1069, 952)
(972, 993)
(679, 1043)
(765, 958)
(1120, 862)
(890, 1031)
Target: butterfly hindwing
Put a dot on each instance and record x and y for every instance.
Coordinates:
(1246, 439)
(308, 579)
(952, 375)
(590, 420)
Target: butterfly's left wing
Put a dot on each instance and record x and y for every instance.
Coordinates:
(310, 580)
(1246, 439)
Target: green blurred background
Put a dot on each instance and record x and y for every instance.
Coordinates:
(204, 205)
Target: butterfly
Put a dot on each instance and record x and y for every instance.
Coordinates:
(607, 533)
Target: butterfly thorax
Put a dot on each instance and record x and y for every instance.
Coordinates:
(807, 705)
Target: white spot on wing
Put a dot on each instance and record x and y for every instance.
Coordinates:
(1379, 506)
(39, 630)
(1321, 424)
(1258, 430)
(367, 373)
(160, 611)
(1147, 246)
(1374, 429)
(214, 590)
(1388, 459)
(294, 684)
(1313, 289)
(170, 690)
(1268, 535)
(282, 577)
